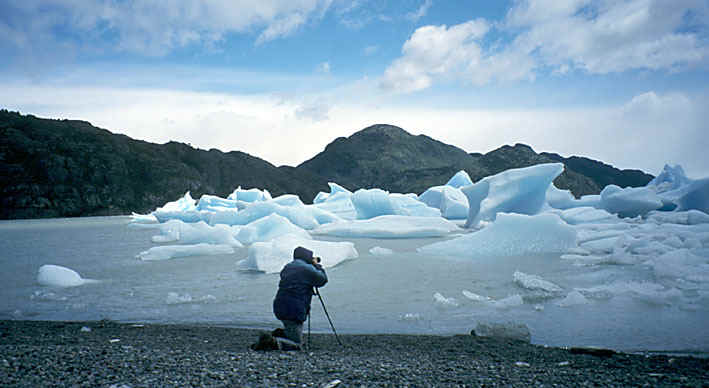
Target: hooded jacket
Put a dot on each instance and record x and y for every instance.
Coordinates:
(295, 289)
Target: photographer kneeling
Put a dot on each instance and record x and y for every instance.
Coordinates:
(295, 292)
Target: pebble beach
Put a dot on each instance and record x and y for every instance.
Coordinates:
(130, 355)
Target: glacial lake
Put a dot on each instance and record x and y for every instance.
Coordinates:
(404, 292)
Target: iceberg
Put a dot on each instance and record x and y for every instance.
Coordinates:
(521, 190)
(460, 179)
(389, 227)
(167, 252)
(193, 233)
(334, 189)
(451, 201)
(184, 209)
(58, 276)
(629, 202)
(535, 283)
(271, 256)
(377, 202)
(379, 251)
(511, 235)
(586, 215)
(268, 228)
(301, 216)
(214, 203)
(250, 195)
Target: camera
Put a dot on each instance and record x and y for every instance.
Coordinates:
(316, 260)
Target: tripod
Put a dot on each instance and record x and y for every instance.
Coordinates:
(317, 292)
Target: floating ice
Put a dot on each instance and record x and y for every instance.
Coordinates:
(390, 227)
(451, 201)
(175, 298)
(681, 264)
(250, 195)
(334, 189)
(585, 214)
(510, 235)
(184, 209)
(460, 179)
(268, 228)
(475, 297)
(535, 283)
(521, 190)
(193, 233)
(143, 218)
(574, 298)
(379, 251)
(58, 276)
(629, 202)
(301, 216)
(174, 251)
(376, 202)
(214, 203)
(691, 217)
(508, 302)
(271, 256)
(443, 302)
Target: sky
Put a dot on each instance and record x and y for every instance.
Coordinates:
(620, 81)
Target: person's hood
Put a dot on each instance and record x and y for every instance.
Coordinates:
(303, 254)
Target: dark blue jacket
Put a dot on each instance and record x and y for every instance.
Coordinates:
(295, 290)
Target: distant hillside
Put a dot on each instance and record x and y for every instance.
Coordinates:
(63, 168)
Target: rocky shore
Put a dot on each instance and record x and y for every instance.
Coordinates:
(120, 355)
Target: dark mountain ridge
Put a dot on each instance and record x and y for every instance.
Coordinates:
(63, 168)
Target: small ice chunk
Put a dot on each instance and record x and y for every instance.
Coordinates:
(535, 283)
(379, 251)
(85, 329)
(174, 251)
(574, 298)
(58, 276)
(411, 317)
(508, 302)
(443, 302)
(475, 297)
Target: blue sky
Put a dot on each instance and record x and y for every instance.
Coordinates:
(620, 81)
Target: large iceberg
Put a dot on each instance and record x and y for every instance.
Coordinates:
(390, 227)
(185, 209)
(271, 256)
(630, 201)
(460, 179)
(511, 235)
(194, 233)
(250, 195)
(268, 228)
(521, 190)
(376, 202)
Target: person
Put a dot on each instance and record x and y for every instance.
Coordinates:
(295, 292)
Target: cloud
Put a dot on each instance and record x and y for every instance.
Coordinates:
(597, 37)
(420, 12)
(315, 111)
(149, 27)
(370, 50)
(436, 52)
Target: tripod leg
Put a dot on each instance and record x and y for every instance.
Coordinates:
(317, 292)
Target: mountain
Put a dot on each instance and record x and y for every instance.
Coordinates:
(63, 168)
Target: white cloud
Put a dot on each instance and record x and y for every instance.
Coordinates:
(155, 27)
(420, 12)
(645, 132)
(435, 51)
(599, 37)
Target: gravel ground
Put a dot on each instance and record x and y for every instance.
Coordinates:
(116, 355)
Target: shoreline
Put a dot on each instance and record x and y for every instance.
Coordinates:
(107, 353)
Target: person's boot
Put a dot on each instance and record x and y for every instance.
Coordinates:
(265, 342)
